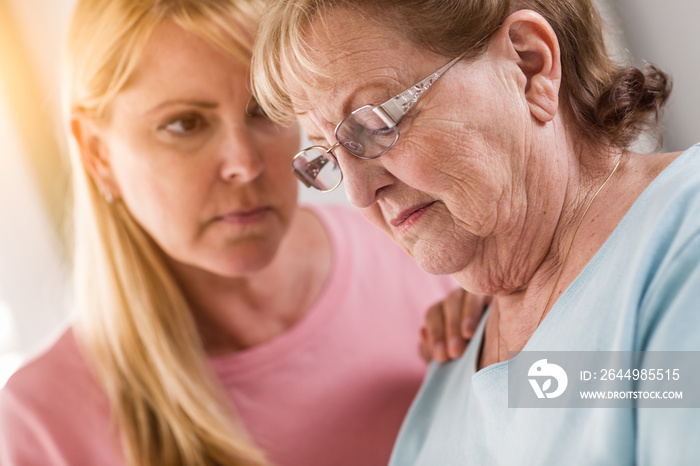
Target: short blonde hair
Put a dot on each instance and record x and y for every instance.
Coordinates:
(608, 103)
(132, 320)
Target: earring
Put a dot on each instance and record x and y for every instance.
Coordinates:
(108, 196)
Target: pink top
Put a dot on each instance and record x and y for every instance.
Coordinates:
(332, 390)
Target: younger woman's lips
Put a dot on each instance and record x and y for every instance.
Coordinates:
(245, 216)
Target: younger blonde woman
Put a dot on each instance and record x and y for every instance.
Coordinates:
(216, 322)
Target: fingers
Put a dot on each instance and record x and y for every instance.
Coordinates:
(423, 348)
(441, 335)
(435, 333)
(473, 308)
(452, 315)
(450, 324)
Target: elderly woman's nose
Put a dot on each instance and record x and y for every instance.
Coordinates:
(240, 158)
(363, 179)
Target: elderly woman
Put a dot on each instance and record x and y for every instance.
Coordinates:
(217, 321)
(490, 139)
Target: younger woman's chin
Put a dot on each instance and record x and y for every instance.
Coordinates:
(236, 262)
(242, 264)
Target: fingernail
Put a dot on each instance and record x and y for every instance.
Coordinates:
(456, 347)
(440, 352)
(468, 327)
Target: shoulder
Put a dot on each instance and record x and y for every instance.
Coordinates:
(365, 253)
(670, 212)
(48, 404)
(49, 367)
(346, 221)
(667, 213)
(680, 179)
(669, 225)
(352, 234)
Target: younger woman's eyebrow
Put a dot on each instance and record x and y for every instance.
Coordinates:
(193, 102)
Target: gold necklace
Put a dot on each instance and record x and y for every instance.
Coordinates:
(561, 267)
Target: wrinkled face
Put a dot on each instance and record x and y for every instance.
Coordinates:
(197, 163)
(451, 190)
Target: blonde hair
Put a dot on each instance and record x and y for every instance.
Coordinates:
(133, 321)
(608, 103)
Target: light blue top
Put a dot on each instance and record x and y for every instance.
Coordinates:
(641, 291)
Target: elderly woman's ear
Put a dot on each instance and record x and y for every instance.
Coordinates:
(527, 39)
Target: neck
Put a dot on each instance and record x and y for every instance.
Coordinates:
(234, 313)
(582, 224)
(515, 315)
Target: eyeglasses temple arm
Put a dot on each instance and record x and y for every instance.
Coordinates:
(310, 170)
(301, 176)
(394, 109)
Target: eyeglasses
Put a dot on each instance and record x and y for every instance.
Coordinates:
(367, 133)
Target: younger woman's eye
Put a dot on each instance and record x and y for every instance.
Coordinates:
(255, 110)
(184, 125)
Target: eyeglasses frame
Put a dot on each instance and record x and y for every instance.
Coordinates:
(391, 112)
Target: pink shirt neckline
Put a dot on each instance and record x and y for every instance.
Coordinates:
(249, 362)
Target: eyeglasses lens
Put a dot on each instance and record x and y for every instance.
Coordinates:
(317, 168)
(365, 134)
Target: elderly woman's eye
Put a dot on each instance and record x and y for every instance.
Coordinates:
(184, 125)
(383, 131)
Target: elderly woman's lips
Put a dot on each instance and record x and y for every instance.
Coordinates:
(411, 215)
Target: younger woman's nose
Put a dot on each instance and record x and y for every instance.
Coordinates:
(240, 159)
